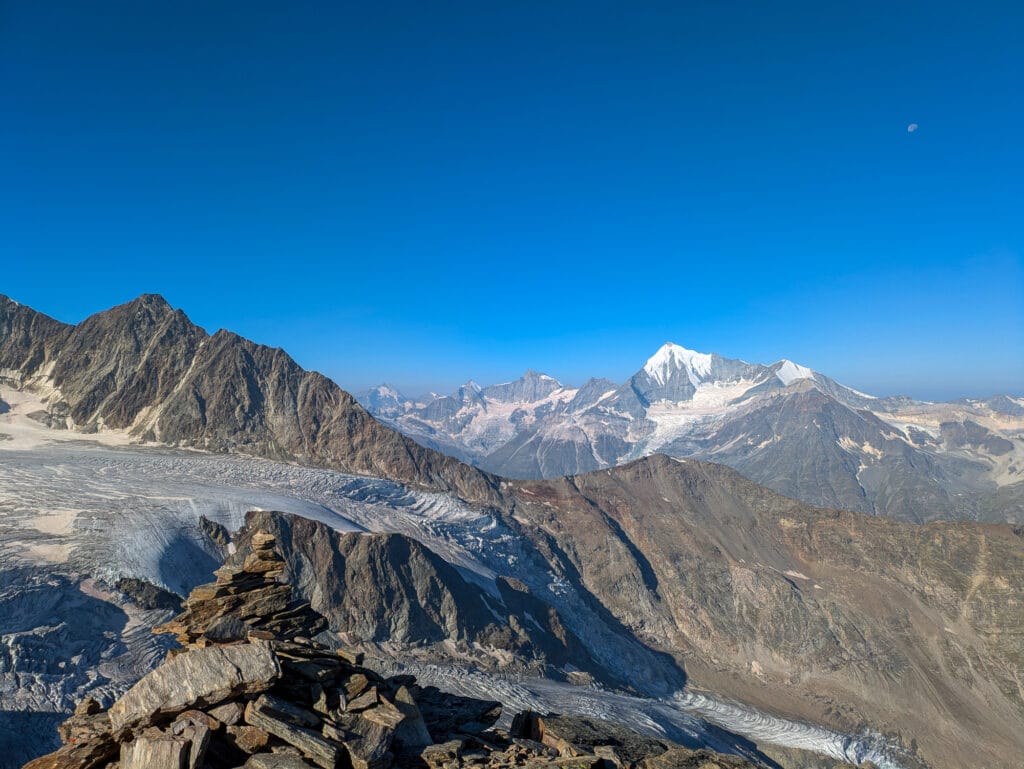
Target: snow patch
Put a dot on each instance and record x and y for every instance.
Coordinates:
(501, 620)
(674, 419)
(790, 372)
(848, 444)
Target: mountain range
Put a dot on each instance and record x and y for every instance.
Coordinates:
(135, 447)
(145, 368)
(783, 425)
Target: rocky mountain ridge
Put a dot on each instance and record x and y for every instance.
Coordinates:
(390, 590)
(146, 369)
(782, 425)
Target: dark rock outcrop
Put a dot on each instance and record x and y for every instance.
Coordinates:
(390, 588)
(147, 595)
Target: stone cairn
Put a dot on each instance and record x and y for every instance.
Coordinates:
(250, 688)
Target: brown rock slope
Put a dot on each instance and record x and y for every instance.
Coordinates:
(250, 689)
(832, 616)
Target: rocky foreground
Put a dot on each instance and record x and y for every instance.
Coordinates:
(250, 688)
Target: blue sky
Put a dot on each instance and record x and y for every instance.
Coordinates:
(426, 192)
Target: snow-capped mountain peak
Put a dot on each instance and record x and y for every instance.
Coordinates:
(384, 400)
(532, 374)
(789, 372)
(532, 386)
(671, 358)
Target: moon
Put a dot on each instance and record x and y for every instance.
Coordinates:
(911, 128)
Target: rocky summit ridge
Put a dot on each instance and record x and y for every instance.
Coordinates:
(250, 687)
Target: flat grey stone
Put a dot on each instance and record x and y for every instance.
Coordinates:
(276, 761)
(196, 678)
(312, 744)
(160, 751)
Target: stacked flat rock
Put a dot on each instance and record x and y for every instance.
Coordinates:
(251, 689)
(245, 598)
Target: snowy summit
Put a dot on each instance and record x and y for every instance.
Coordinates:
(671, 358)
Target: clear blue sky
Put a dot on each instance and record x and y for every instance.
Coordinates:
(427, 192)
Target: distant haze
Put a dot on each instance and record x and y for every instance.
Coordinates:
(910, 377)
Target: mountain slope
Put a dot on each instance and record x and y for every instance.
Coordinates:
(824, 615)
(390, 589)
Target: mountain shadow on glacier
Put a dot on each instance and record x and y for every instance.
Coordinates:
(184, 563)
(25, 735)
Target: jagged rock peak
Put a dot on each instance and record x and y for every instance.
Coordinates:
(151, 300)
(530, 387)
(534, 374)
(153, 304)
(145, 368)
(788, 372)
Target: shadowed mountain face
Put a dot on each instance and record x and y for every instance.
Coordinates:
(390, 589)
(784, 426)
(145, 368)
